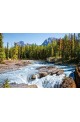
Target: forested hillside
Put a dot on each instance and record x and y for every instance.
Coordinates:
(67, 48)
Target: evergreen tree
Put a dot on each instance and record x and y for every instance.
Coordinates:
(52, 53)
(15, 52)
(7, 53)
(2, 53)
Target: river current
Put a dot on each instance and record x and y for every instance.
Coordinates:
(23, 75)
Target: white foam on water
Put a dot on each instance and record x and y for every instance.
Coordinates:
(23, 74)
(49, 81)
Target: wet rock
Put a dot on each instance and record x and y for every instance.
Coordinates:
(79, 68)
(39, 68)
(50, 68)
(54, 71)
(43, 74)
(33, 77)
(43, 70)
(49, 71)
(68, 83)
(60, 72)
(77, 76)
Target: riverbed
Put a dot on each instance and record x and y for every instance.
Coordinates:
(23, 74)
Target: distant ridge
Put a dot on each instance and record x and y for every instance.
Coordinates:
(45, 43)
(49, 40)
(20, 43)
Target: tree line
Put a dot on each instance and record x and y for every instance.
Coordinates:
(67, 48)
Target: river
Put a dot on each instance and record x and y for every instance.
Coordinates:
(23, 75)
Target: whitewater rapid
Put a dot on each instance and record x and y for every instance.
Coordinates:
(23, 75)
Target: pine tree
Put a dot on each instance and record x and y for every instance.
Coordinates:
(15, 52)
(7, 53)
(52, 52)
(2, 53)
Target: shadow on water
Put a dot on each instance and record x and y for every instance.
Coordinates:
(72, 75)
(68, 70)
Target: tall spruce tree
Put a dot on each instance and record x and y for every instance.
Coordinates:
(2, 53)
(7, 51)
(15, 52)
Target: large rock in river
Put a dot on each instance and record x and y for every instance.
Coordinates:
(34, 76)
(68, 83)
(43, 74)
(77, 76)
(60, 72)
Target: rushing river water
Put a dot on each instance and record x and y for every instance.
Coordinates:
(23, 75)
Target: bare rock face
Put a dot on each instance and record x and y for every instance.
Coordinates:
(68, 83)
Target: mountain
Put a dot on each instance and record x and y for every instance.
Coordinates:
(49, 40)
(20, 43)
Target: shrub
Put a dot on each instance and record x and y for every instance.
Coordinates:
(6, 84)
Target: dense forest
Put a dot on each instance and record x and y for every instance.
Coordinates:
(67, 49)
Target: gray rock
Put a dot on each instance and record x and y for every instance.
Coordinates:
(79, 68)
(54, 72)
(68, 83)
(43, 74)
(33, 77)
(60, 72)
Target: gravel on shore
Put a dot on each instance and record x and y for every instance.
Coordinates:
(10, 65)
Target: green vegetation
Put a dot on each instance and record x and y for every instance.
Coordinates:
(2, 53)
(6, 84)
(67, 49)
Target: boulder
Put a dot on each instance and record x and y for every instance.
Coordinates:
(68, 83)
(50, 68)
(39, 68)
(43, 74)
(77, 76)
(54, 71)
(43, 70)
(33, 77)
(60, 72)
(79, 68)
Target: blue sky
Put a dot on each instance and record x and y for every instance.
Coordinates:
(30, 38)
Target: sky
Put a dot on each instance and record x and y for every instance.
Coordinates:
(30, 38)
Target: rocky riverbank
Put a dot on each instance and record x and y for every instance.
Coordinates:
(11, 65)
(22, 85)
(77, 76)
(44, 71)
(68, 83)
(46, 76)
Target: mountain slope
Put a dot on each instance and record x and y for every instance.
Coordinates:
(20, 43)
(49, 40)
